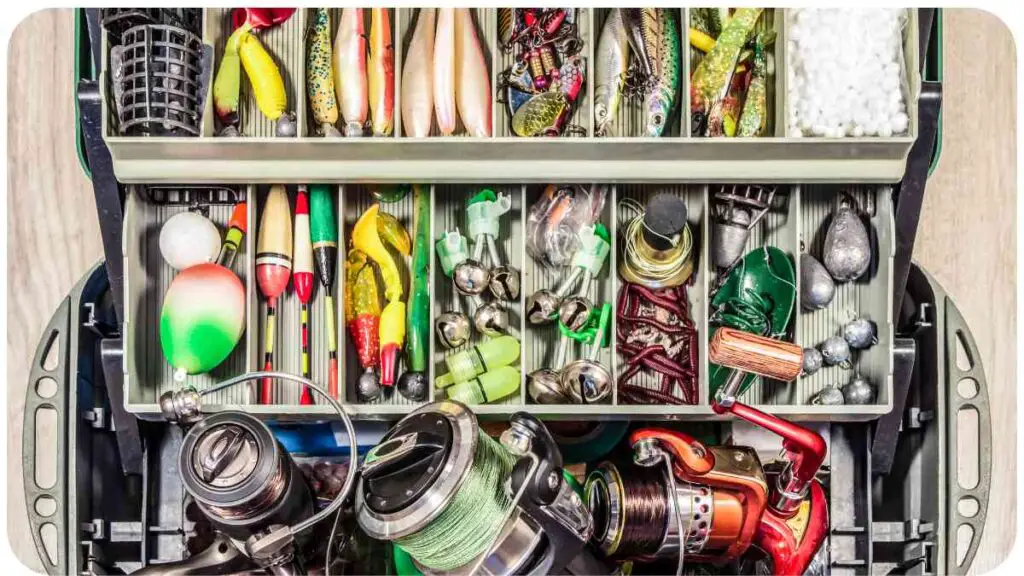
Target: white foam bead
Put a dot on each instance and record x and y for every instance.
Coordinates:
(885, 129)
(857, 132)
(899, 123)
(819, 129)
(795, 132)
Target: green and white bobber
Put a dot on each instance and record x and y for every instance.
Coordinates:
(202, 319)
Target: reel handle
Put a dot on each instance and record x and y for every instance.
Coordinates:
(528, 434)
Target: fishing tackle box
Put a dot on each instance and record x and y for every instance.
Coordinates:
(899, 500)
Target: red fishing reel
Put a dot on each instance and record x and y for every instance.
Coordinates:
(795, 523)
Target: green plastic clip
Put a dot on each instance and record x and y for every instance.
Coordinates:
(483, 211)
(597, 323)
(452, 250)
(593, 250)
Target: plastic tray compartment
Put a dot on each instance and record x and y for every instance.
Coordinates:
(868, 297)
(355, 201)
(288, 329)
(286, 45)
(540, 342)
(312, 129)
(450, 214)
(147, 277)
(771, 19)
(626, 199)
(485, 20)
(629, 118)
(582, 116)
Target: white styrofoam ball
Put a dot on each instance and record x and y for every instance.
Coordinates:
(890, 82)
(819, 129)
(885, 129)
(795, 132)
(857, 132)
(187, 239)
(899, 123)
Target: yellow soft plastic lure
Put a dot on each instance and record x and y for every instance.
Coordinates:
(228, 83)
(319, 75)
(392, 232)
(264, 76)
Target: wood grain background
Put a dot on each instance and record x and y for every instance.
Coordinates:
(967, 238)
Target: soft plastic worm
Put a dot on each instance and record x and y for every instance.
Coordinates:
(381, 73)
(319, 75)
(264, 76)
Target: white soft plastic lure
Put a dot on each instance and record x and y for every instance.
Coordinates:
(444, 71)
(417, 77)
(350, 70)
(472, 83)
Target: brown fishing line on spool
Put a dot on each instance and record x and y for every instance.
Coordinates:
(646, 320)
(645, 510)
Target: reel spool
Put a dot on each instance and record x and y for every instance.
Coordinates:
(461, 503)
(159, 78)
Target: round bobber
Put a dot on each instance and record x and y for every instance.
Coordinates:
(202, 318)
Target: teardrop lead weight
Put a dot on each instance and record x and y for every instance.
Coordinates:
(847, 250)
(202, 319)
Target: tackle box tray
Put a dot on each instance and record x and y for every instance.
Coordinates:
(676, 157)
(91, 511)
(795, 224)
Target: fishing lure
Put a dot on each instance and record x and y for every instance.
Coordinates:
(320, 75)
(612, 62)
(473, 86)
(417, 77)
(228, 83)
(444, 71)
(710, 80)
(264, 76)
(506, 23)
(366, 239)
(660, 101)
(641, 26)
(725, 113)
(381, 74)
(392, 232)
(413, 383)
(362, 310)
(753, 121)
(540, 114)
(350, 70)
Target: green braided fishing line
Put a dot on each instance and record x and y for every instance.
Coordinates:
(471, 521)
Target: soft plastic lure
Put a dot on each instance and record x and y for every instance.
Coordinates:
(320, 75)
(367, 239)
(661, 100)
(417, 77)
(362, 308)
(710, 80)
(473, 86)
(228, 84)
(418, 322)
(753, 121)
(350, 70)
(264, 77)
(444, 71)
(381, 73)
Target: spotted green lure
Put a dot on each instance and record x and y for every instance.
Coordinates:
(710, 80)
(319, 75)
(753, 120)
(661, 99)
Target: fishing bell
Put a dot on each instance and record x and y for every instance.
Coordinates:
(587, 381)
(491, 319)
(859, 334)
(574, 312)
(847, 250)
(452, 329)
(829, 396)
(816, 286)
(835, 351)
(471, 278)
(504, 283)
(542, 306)
(545, 387)
(859, 391)
(737, 210)
(813, 361)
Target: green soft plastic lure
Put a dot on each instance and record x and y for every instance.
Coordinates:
(710, 80)
(661, 100)
(753, 120)
(418, 322)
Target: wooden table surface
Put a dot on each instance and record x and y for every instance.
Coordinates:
(967, 236)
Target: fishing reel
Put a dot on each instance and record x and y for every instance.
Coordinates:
(704, 506)
(245, 482)
(459, 502)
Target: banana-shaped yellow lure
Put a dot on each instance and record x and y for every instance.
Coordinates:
(228, 83)
(320, 76)
(264, 76)
(392, 232)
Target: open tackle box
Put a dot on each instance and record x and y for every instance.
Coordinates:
(109, 499)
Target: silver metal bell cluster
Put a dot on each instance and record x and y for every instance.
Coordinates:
(472, 278)
(583, 381)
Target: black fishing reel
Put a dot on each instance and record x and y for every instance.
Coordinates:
(248, 486)
(436, 481)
